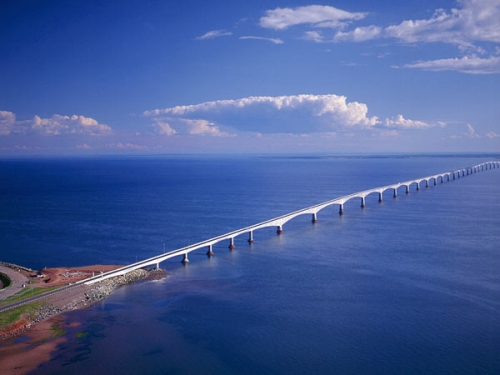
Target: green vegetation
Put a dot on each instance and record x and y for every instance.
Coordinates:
(81, 335)
(26, 293)
(5, 280)
(57, 330)
(11, 316)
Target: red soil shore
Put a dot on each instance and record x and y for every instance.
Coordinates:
(20, 358)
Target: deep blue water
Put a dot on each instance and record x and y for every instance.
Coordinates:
(408, 286)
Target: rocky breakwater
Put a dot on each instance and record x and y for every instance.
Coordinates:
(76, 298)
(102, 289)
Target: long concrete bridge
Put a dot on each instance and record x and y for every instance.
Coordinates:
(280, 221)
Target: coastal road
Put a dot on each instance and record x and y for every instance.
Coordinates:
(39, 297)
(17, 281)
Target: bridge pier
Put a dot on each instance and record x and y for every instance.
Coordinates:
(250, 237)
(395, 192)
(341, 209)
(231, 244)
(157, 266)
(185, 260)
(426, 183)
(418, 186)
(363, 205)
(314, 218)
(210, 252)
(279, 230)
(380, 197)
(407, 189)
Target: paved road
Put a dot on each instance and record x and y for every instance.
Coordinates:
(17, 280)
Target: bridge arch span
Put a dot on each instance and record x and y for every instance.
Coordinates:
(278, 222)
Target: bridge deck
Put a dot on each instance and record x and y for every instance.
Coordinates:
(281, 220)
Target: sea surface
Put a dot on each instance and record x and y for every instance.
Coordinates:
(407, 286)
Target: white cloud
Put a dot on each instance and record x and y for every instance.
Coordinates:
(163, 128)
(359, 34)
(471, 65)
(401, 123)
(280, 114)
(473, 26)
(83, 146)
(7, 121)
(315, 15)
(476, 20)
(272, 40)
(471, 132)
(172, 126)
(313, 36)
(58, 124)
(55, 125)
(214, 34)
(492, 135)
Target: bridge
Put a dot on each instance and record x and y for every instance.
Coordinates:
(280, 221)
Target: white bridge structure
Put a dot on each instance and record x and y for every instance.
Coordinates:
(280, 221)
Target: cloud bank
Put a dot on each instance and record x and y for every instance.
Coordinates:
(55, 125)
(292, 114)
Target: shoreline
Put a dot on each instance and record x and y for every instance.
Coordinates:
(44, 330)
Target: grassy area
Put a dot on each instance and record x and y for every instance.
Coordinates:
(26, 293)
(5, 280)
(10, 316)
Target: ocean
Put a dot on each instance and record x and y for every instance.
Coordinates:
(406, 286)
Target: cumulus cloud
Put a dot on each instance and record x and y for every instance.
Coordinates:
(272, 40)
(162, 127)
(401, 123)
(316, 15)
(313, 36)
(7, 121)
(492, 135)
(172, 126)
(476, 20)
(281, 114)
(55, 125)
(214, 34)
(359, 34)
(471, 65)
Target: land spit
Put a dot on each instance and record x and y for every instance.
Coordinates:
(80, 296)
(45, 326)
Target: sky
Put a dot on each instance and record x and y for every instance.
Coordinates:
(232, 76)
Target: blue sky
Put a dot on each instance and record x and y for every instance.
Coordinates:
(149, 77)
